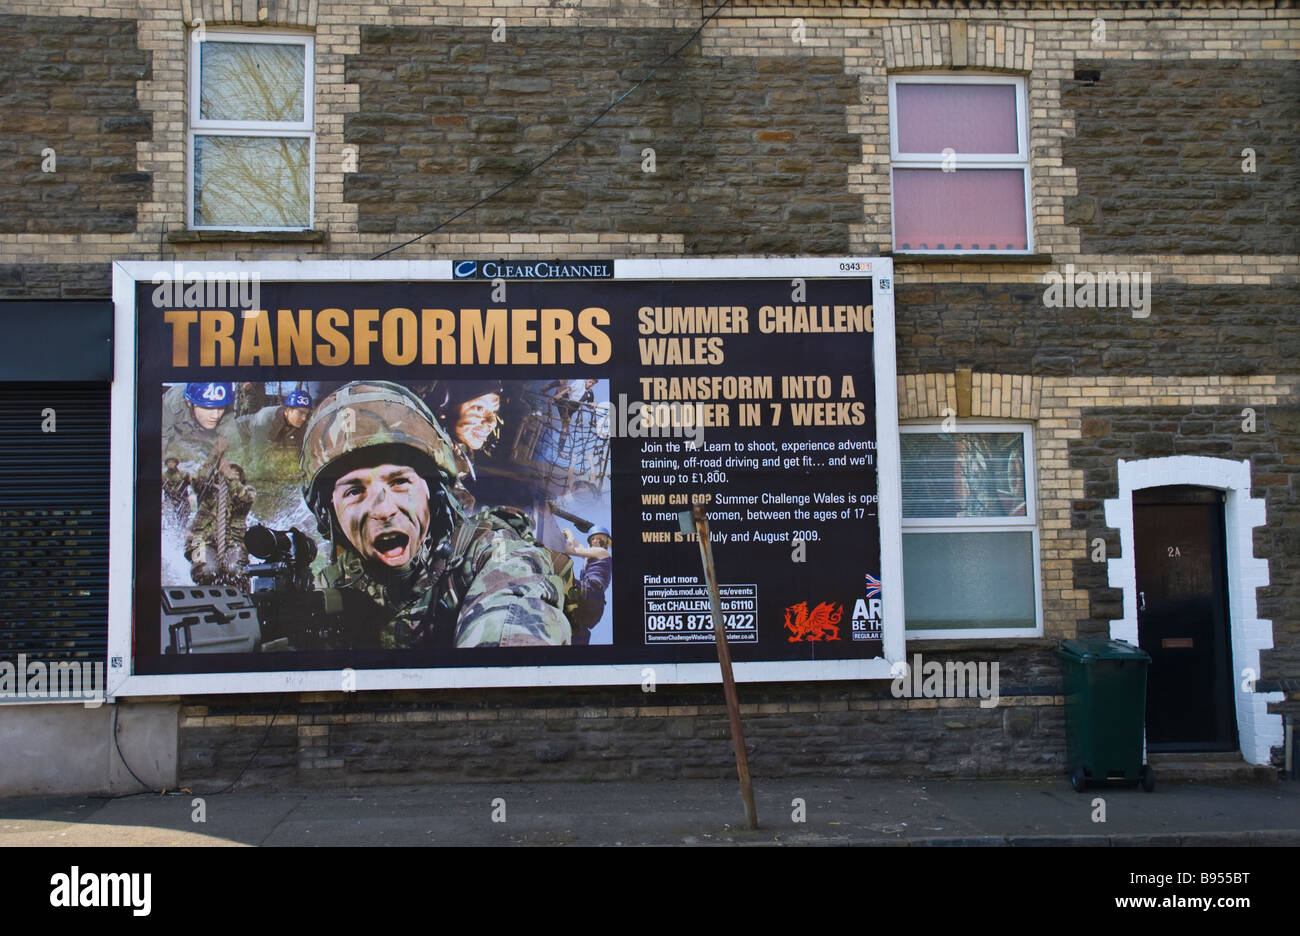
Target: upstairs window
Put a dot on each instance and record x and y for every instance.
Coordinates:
(959, 158)
(251, 132)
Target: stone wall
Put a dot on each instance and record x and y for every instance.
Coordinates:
(1084, 425)
(1158, 150)
(67, 85)
(1190, 330)
(821, 94)
(749, 154)
(839, 729)
(55, 281)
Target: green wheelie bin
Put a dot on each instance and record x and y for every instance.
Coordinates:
(1105, 712)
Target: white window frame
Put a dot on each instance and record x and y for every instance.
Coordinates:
(901, 160)
(199, 126)
(1026, 524)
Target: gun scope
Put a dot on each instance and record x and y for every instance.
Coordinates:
(280, 546)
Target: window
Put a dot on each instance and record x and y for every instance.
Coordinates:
(959, 158)
(251, 139)
(970, 533)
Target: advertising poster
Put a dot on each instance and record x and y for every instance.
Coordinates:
(486, 470)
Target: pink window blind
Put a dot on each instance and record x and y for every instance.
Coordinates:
(970, 209)
(968, 118)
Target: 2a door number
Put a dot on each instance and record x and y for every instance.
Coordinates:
(1174, 552)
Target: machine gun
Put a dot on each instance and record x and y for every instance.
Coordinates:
(293, 614)
(208, 619)
(283, 612)
(287, 558)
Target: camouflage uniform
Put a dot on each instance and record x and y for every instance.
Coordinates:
(215, 542)
(176, 486)
(484, 586)
(266, 444)
(269, 427)
(249, 398)
(182, 436)
(475, 581)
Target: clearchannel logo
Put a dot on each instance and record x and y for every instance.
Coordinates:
(532, 270)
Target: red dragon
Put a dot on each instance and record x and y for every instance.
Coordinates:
(814, 625)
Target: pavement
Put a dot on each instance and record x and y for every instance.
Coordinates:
(834, 811)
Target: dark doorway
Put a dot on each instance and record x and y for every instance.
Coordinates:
(1182, 584)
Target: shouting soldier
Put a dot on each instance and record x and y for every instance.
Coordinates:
(380, 475)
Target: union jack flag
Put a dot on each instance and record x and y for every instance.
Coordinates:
(873, 586)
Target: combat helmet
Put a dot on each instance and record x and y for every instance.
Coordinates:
(369, 414)
(210, 395)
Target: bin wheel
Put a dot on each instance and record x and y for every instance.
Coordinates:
(1078, 780)
(1147, 777)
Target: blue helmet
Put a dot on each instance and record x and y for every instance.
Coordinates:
(596, 531)
(298, 399)
(210, 395)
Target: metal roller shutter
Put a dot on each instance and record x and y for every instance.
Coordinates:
(54, 521)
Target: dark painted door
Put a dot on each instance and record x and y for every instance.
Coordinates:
(1182, 585)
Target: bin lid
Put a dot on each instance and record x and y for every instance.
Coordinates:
(1090, 650)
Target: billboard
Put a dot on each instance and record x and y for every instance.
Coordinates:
(469, 473)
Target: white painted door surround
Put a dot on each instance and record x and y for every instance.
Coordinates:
(1257, 729)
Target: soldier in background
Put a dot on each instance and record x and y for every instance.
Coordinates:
(562, 392)
(597, 572)
(176, 492)
(277, 426)
(250, 398)
(193, 417)
(267, 444)
(215, 542)
(470, 413)
(588, 399)
(381, 475)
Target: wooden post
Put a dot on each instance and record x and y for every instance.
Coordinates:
(701, 519)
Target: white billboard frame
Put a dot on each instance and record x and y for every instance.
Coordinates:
(123, 682)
